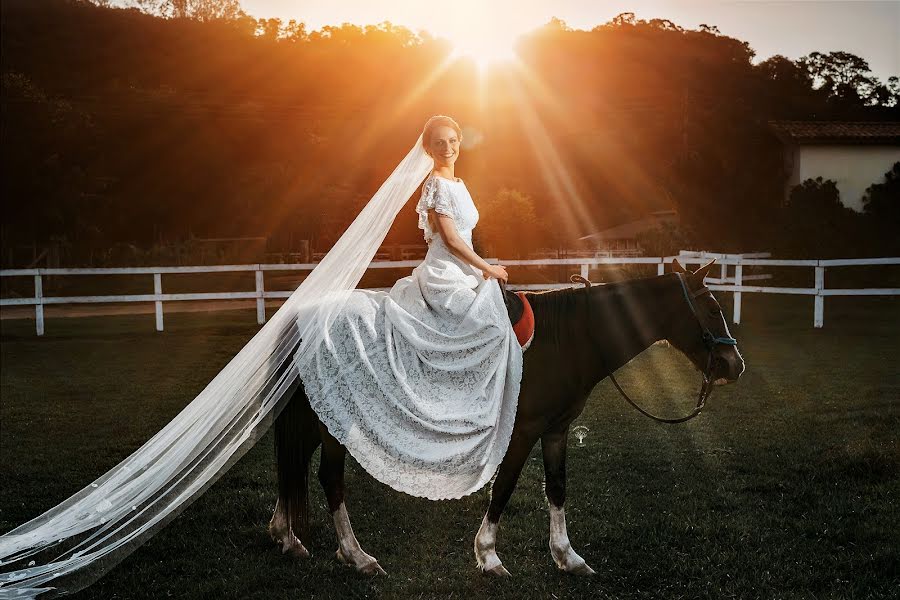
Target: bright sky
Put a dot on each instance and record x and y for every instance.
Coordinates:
(870, 29)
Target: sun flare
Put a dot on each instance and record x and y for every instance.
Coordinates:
(481, 32)
(484, 51)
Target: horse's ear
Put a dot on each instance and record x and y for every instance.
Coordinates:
(677, 268)
(700, 274)
(580, 279)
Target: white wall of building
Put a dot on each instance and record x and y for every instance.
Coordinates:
(853, 167)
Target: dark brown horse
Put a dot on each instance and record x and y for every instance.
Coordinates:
(581, 336)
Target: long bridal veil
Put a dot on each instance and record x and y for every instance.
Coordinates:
(71, 545)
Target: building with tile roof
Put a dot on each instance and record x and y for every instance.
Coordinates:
(853, 154)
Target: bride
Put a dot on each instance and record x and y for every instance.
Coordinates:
(420, 384)
(442, 138)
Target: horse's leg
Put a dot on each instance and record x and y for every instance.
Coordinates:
(296, 438)
(331, 475)
(283, 534)
(553, 445)
(504, 483)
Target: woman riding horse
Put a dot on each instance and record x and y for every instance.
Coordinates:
(427, 386)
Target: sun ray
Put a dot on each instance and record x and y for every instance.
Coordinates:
(632, 180)
(370, 136)
(364, 141)
(553, 168)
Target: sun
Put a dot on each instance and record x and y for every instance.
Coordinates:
(481, 31)
(484, 50)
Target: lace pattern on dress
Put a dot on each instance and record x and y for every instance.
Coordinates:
(435, 195)
(421, 383)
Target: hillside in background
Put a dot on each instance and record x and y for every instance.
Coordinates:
(122, 127)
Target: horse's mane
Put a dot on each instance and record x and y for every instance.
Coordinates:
(561, 312)
(550, 305)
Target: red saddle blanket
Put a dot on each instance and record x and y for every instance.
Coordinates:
(524, 327)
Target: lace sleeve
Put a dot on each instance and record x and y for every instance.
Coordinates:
(435, 195)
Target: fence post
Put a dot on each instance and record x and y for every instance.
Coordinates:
(738, 281)
(260, 299)
(585, 271)
(819, 313)
(39, 305)
(661, 267)
(157, 290)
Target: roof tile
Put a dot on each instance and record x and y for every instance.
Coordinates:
(837, 131)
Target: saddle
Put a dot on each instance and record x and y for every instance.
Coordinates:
(520, 315)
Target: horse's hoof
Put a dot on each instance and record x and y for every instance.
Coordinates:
(371, 568)
(582, 570)
(297, 551)
(275, 534)
(293, 547)
(498, 571)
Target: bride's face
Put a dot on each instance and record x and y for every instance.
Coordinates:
(444, 146)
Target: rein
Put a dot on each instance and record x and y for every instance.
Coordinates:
(709, 340)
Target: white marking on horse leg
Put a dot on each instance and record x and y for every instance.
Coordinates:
(349, 551)
(282, 534)
(486, 549)
(278, 523)
(560, 548)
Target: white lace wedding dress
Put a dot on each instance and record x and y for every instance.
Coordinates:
(421, 383)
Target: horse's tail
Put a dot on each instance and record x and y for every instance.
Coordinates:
(296, 438)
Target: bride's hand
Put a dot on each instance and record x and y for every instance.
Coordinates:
(496, 271)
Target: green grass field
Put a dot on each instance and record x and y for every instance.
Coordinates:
(787, 486)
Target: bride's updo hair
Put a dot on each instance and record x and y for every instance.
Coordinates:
(435, 122)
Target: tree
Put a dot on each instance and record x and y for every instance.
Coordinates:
(889, 94)
(507, 224)
(784, 71)
(53, 182)
(270, 29)
(296, 32)
(881, 206)
(882, 200)
(785, 89)
(844, 76)
(211, 128)
(625, 18)
(200, 10)
(667, 239)
(815, 224)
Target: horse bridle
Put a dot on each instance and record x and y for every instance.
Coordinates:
(709, 340)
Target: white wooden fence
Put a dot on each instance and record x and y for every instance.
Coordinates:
(733, 283)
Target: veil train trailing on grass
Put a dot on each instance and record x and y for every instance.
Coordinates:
(71, 545)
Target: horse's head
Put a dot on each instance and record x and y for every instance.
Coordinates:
(700, 330)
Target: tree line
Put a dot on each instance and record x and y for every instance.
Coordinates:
(175, 119)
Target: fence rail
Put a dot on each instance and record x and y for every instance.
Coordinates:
(731, 283)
